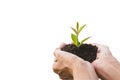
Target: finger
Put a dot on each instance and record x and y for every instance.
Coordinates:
(62, 45)
(102, 49)
(66, 56)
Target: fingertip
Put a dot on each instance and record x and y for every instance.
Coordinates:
(93, 44)
(57, 52)
(62, 45)
(96, 44)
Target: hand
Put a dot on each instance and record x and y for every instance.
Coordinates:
(72, 67)
(106, 66)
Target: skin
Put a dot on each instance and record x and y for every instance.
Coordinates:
(106, 65)
(71, 67)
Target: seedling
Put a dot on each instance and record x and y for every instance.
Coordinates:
(75, 36)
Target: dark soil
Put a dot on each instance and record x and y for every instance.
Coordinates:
(87, 52)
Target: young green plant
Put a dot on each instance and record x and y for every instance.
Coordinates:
(75, 36)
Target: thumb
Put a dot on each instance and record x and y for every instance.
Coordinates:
(102, 50)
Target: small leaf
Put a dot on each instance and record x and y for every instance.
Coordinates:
(74, 30)
(82, 41)
(74, 39)
(77, 26)
(81, 28)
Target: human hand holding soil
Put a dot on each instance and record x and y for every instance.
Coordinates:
(106, 65)
(72, 67)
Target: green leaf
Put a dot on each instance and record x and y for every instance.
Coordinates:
(81, 28)
(74, 39)
(77, 26)
(74, 30)
(75, 36)
(82, 41)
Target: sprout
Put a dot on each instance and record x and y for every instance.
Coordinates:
(77, 31)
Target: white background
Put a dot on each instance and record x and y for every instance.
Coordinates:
(30, 30)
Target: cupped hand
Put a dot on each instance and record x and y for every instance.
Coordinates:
(72, 67)
(106, 65)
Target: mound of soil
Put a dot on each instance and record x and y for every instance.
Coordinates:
(87, 52)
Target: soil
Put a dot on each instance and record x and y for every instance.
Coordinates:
(87, 52)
